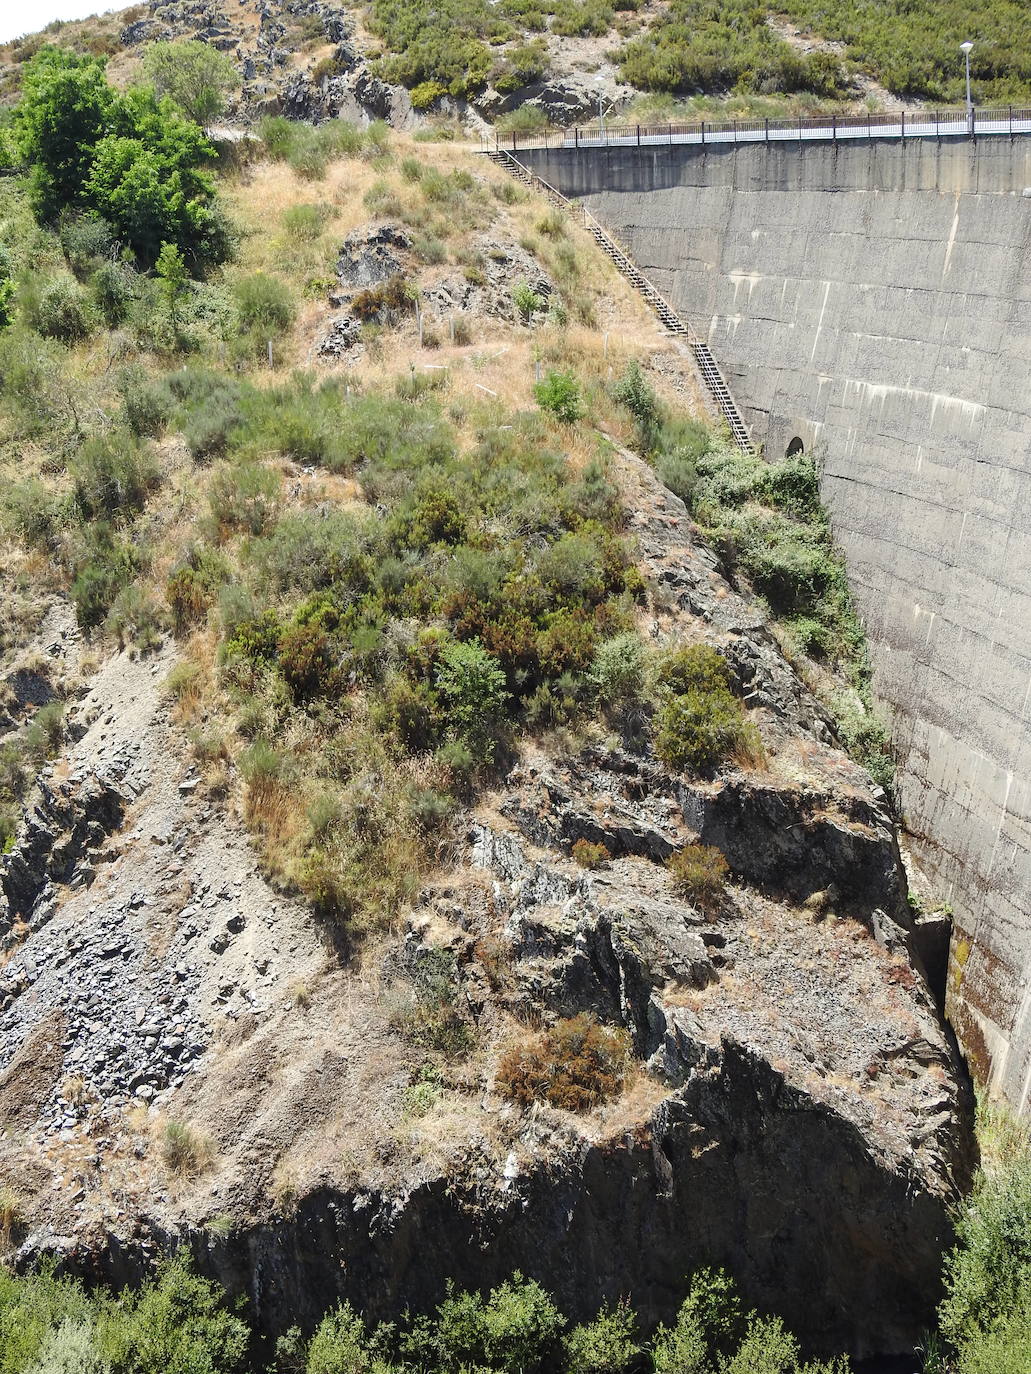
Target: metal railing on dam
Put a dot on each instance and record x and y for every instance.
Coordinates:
(1007, 120)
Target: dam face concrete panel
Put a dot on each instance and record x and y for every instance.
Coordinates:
(874, 299)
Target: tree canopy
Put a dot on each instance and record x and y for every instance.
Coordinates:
(130, 157)
(194, 75)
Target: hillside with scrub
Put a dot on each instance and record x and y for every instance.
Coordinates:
(452, 914)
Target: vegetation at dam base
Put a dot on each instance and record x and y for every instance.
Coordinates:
(180, 1323)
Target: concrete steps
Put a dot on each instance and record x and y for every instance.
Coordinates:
(710, 374)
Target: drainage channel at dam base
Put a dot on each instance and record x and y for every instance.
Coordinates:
(708, 370)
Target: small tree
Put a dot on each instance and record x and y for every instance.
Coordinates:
(6, 290)
(472, 684)
(194, 75)
(171, 272)
(559, 394)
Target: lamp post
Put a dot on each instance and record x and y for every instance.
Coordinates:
(965, 50)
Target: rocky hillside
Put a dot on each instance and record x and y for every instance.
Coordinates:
(445, 862)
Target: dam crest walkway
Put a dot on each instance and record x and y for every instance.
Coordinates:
(1005, 121)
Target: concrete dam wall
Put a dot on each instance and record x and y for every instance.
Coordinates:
(874, 301)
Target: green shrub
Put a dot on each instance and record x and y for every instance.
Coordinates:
(700, 730)
(213, 423)
(264, 305)
(244, 496)
(85, 240)
(433, 1018)
(106, 567)
(338, 1345)
(114, 476)
(472, 688)
(62, 310)
(527, 302)
(45, 733)
(194, 75)
(35, 513)
(607, 1345)
(559, 394)
(306, 222)
(515, 1330)
(575, 1064)
(146, 405)
(695, 668)
(71, 1349)
(633, 391)
(589, 855)
(618, 669)
(113, 290)
(986, 1314)
(699, 873)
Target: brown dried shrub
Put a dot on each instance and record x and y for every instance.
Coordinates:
(699, 873)
(392, 297)
(575, 1064)
(590, 855)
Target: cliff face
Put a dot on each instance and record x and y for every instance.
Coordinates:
(870, 301)
(797, 1113)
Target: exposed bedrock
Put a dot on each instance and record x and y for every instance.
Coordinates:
(874, 301)
(792, 1106)
(737, 1169)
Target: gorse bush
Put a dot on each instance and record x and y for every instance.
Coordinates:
(700, 723)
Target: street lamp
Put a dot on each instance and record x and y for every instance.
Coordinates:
(965, 50)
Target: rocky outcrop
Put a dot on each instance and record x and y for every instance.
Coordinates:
(795, 1112)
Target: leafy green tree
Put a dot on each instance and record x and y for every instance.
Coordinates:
(171, 272)
(130, 157)
(472, 685)
(66, 108)
(194, 75)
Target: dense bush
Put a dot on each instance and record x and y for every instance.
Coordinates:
(265, 309)
(575, 1064)
(129, 157)
(113, 477)
(700, 723)
(559, 394)
(985, 1317)
(61, 309)
(195, 75)
(444, 43)
(695, 47)
(769, 523)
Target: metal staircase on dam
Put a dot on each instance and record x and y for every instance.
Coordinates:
(707, 368)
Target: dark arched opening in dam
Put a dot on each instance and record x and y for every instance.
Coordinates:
(870, 302)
